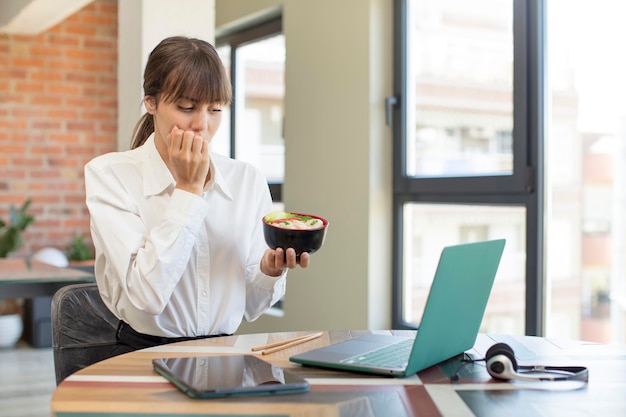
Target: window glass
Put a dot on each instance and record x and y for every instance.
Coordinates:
(460, 98)
(431, 227)
(259, 99)
(585, 174)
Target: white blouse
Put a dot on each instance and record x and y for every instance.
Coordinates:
(171, 263)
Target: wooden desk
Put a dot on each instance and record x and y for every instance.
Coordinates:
(36, 282)
(127, 386)
(24, 278)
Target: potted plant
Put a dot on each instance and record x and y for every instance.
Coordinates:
(11, 231)
(80, 254)
(11, 325)
(78, 250)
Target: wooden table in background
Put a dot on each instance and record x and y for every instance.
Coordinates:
(25, 278)
(127, 385)
(36, 282)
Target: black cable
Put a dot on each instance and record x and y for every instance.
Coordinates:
(466, 360)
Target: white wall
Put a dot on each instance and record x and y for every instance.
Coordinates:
(142, 24)
(338, 73)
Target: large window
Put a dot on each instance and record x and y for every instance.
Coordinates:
(510, 122)
(252, 129)
(465, 150)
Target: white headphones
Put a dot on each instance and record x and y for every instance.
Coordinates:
(501, 364)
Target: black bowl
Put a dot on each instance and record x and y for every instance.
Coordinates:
(300, 240)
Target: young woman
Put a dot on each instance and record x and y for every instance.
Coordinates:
(177, 230)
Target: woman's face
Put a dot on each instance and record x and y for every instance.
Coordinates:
(185, 114)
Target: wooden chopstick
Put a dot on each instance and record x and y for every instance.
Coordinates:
(284, 344)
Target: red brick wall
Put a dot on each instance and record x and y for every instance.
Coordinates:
(58, 109)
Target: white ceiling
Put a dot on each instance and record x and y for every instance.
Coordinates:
(31, 17)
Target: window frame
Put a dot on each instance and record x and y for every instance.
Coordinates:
(235, 39)
(523, 188)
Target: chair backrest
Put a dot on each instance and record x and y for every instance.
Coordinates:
(83, 329)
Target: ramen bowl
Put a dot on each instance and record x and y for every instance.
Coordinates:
(302, 232)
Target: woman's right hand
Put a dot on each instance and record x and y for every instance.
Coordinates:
(189, 159)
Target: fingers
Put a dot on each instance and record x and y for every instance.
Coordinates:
(275, 261)
(286, 259)
(304, 259)
(187, 143)
(289, 257)
(189, 159)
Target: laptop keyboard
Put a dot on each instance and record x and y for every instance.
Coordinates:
(392, 356)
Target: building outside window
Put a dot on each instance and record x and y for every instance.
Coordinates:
(514, 126)
(252, 129)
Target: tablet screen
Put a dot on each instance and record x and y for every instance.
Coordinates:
(213, 376)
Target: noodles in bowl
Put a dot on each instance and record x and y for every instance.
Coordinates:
(302, 232)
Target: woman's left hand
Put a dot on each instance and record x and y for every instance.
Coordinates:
(275, 261)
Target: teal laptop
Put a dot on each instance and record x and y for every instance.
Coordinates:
(450, 323)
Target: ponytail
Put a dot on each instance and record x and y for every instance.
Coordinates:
(142, 131)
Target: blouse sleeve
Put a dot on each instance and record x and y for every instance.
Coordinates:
(136, 267)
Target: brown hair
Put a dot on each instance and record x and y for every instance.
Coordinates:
(182, 67)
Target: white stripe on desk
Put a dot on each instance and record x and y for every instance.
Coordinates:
(525, 385)
(313, 381)
(413, 380)
(447, 401)
(115, 378)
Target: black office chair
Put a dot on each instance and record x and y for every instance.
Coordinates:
(83, 329)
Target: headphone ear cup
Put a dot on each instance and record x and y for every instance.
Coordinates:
(501, 363)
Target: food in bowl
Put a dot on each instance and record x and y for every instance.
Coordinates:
(302, 232)
(293, 221)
